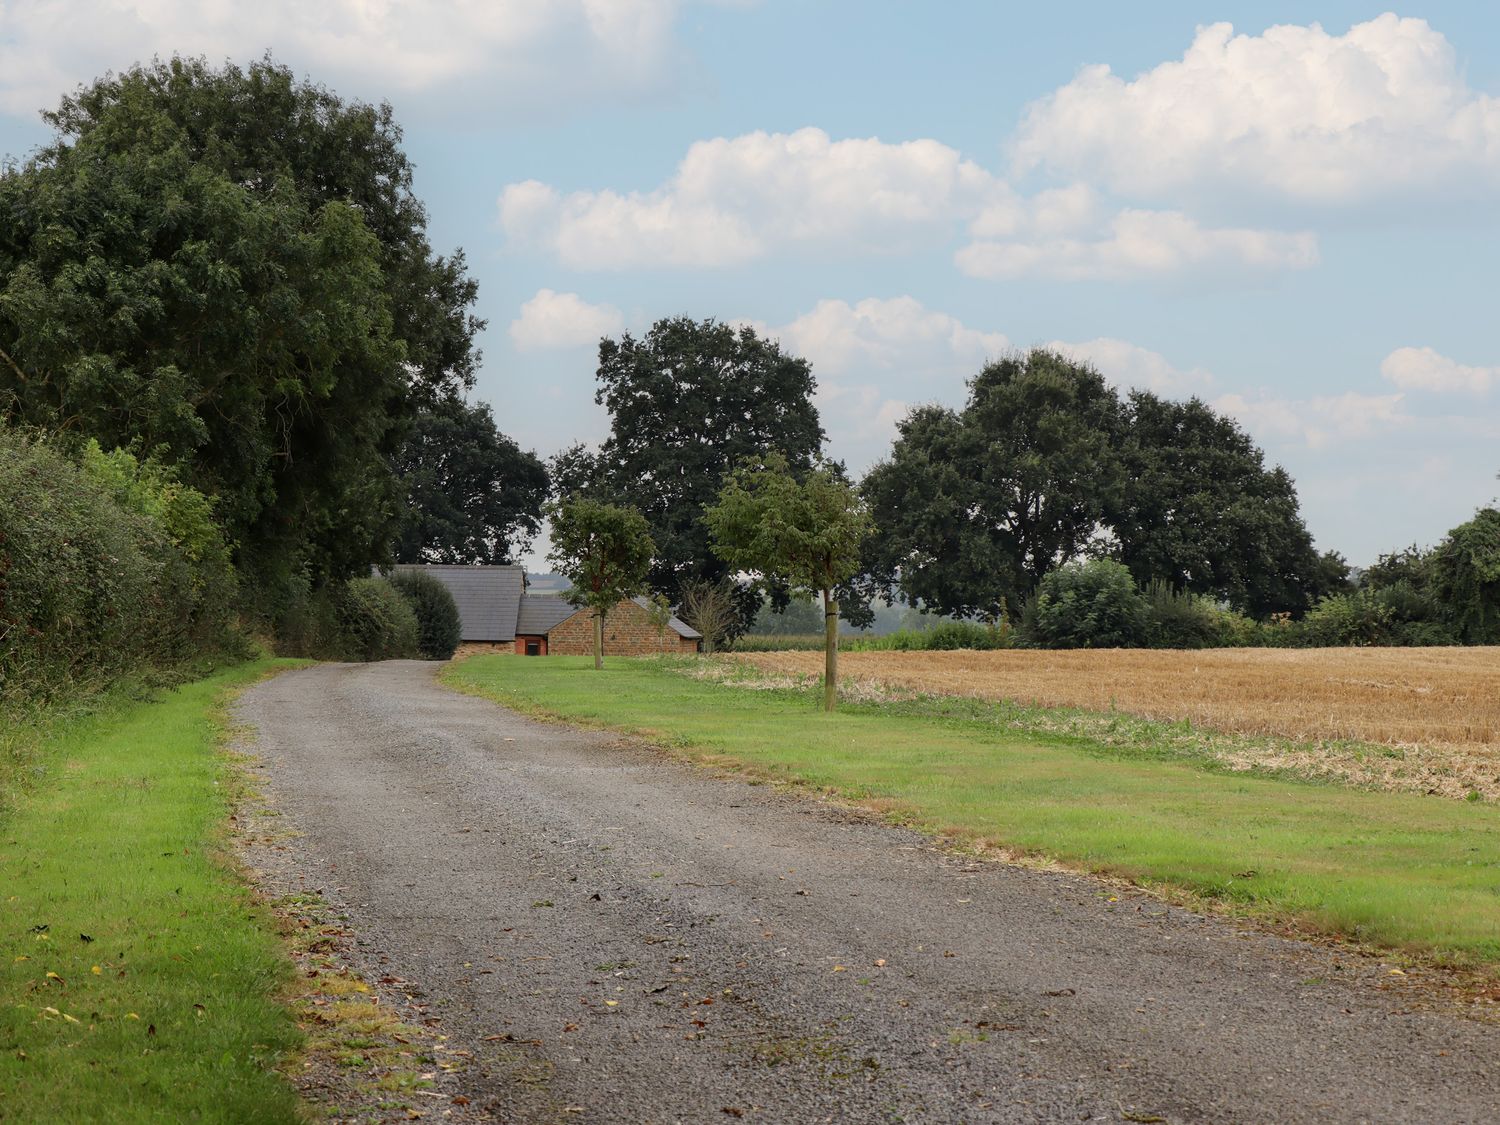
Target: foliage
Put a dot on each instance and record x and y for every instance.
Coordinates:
(472, 494)
(374, 622)
(1357, 619)
(439, 629)
(1203, 514)
(1465, 578)
(799, 615)
(604, 551)
(229, 267)
(712, 608)
(1181, 619)
(183, 945)
(974, 507)
(363, 619)
(687, 402)
(1090, 605)
(103, 569)
(807, 534)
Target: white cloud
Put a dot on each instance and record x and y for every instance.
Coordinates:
(1316, 422)
(1423, 369)
(552, 321)
(898, 334)
(1130, 366)
(734, 199)
(1135, 244)
(1294, 112)
(528, 54)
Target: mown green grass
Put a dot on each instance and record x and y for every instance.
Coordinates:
(1399, 870)
(138, 982)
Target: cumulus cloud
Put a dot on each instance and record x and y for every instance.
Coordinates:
(528, 54)
(895, 334)
(1295, 112)
(1316, 422)
(552, 321)
(1423, 369)
(1135, 244)
(734, 199)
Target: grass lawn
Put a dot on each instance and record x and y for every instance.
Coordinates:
(137, 980)
(1392, 869)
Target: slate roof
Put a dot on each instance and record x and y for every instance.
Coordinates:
(675, 623)
(540, 613)
(488, 597)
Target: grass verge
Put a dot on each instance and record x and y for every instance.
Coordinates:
(1391, 869)
(138, 979)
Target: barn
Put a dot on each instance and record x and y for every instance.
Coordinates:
(495, 608)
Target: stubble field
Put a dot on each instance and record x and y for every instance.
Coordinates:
(1438, 708)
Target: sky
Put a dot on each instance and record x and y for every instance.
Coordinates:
(1288, 210)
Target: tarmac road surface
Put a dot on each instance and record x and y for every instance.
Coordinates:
(659, 944)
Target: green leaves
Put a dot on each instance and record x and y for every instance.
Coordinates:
(805, 532)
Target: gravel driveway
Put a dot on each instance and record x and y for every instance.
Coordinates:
(618, 937)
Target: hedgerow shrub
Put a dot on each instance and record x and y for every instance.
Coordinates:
(365, 619)
(439, 629)
(1089, 605)
(95, 577)
(374, 621)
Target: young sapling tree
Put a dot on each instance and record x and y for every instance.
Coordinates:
(806, 532)
(605, 551)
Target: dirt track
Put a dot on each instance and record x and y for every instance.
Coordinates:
(685, 948)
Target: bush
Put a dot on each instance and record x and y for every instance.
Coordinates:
(94, 579)
(1358, 619)
(1179, 619)
(439, 629)
(374, 622)
(1089, 605)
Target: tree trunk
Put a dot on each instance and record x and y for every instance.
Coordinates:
(598, 639)
(830, 651)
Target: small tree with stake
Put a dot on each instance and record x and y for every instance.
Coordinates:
(604, 551)
(806, 533)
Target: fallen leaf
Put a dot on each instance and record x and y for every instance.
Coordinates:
(459, 1099)
(1061, 992)
(880, 962)
(732, 1111)
(131, 1016)
(611, 1003)
(97, 971)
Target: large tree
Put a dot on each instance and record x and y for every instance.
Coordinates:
(1201, 512)
(229, 268)
(973, 507)
(687, 402)
(473, 495)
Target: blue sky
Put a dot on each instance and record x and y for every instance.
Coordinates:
(1294, 219)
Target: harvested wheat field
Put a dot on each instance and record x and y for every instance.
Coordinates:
(1439, 707)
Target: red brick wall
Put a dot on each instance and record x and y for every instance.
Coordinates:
(522, 638)
(627, 632)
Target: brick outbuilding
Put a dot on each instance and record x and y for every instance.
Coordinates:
(628, 630)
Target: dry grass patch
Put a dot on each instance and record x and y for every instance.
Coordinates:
(1424, 719)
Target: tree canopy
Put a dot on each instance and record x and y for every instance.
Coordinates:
(472, 494)
(687, 402)
(228, 269)
(1202, 513)
(1045, 465)
(974, 507)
